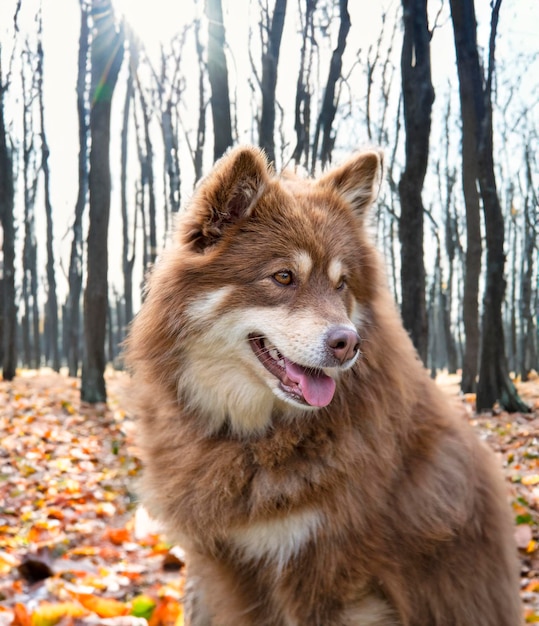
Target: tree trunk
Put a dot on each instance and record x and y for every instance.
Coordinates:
(147, 167)
(302, 110)
(270, 61)
(51, 306)
(218, 77)
(7, 221)
(72, 308)
(128, 259)
(418, 96)
(494, 383)
(326, 118)
(106, 53)
(469, 73)
(31, 334)
(528, 337)
(202, 103)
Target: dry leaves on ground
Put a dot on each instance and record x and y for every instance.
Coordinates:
(74, 547)
(76, 550)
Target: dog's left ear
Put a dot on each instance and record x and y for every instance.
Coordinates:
(225, 197)
(357, 180)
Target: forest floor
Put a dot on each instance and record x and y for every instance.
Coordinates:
(76, 550)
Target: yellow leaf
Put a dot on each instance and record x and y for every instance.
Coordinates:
(50, 613)
(179, 619)
(532, 546)
(533, 479)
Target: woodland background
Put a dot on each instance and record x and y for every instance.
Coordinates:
(111, 110)
(451, 96)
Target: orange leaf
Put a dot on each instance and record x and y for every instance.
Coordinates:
(166, 613)
(20, 616)
(533, 585)
(117, 536)
(104, 607)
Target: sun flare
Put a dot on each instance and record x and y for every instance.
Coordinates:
(155, 22)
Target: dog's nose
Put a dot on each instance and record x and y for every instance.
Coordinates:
(343, 343)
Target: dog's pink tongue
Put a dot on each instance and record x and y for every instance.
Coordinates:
(317, 388)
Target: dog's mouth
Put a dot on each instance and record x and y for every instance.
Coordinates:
(305, 385)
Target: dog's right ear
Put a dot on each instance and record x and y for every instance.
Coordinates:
(357, 180)
(225, 197)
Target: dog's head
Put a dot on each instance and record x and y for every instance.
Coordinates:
(272, 277)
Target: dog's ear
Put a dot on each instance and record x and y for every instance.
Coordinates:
(226, 196)
(357, 180)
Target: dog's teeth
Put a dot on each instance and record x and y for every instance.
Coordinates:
(274, 353)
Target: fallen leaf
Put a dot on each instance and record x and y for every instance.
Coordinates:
(143, 606)
(49, 614)
(103, 607)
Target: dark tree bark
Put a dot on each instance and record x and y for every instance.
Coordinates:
(52, 353)
(326, 118)
(218, 77)
(202, 103)
(106, 54)
(418, 96)
(147, 181)
(270, 61)
(8, 325)
(494, 382)
(170, 92)
(30, 320)
(452, 244)
(302, 109)
(528, 337)
(128, 258)
(72, 308)
(469, 73)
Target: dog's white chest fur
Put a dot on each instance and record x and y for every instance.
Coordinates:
(277, 540)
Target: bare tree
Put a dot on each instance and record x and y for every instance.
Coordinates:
(147, 186)
(324, 124)
(128, 258)
(218, 77)
(30, 319)
(52, 353)
(418, 96)
(469, 73)
(72, 307)
(273, 30)
(447, 177)
(107, 50)
(202, 104)
(170, 85)
(528, 340)
(494, 382)
(302, 108)
(8, 312)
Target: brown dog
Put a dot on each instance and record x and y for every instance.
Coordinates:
(293, 443)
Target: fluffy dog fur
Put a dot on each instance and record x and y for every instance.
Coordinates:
(293, 443)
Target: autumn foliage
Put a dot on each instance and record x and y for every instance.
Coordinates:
(76, 549)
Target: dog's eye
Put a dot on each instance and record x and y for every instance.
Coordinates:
(283, 277)
(341, 284)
